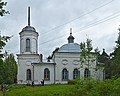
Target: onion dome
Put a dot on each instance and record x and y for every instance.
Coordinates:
(71, 46)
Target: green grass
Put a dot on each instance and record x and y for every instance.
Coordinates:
(48, 90)
(86, 87)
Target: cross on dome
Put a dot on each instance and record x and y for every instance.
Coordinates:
(70, 31)
(70, 38)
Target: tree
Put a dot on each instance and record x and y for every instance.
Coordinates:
(3, 39)
(86, 48)
(104, 60)
(116, 58)
(2, 10)
(8, 70)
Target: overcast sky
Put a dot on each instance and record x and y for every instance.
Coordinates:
(95, 19)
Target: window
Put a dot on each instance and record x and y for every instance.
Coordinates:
(86, 73)
(64, 74)
(28, 74)
(46, 74)
(27, 45)
(76, 73)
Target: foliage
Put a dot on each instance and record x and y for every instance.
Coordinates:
(104, 60)
(86, 54)
(74, 81)
(3, 40)
(91, 87)
(8, 70)
(1, 66)
(2, 10)
(116, 59)
(86, 49)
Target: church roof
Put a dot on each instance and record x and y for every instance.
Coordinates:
(29, 28)
(70, 47)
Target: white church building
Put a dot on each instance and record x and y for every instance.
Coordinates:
(65, 63)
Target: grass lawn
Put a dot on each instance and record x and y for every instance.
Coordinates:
(48, 90)
(109, 87)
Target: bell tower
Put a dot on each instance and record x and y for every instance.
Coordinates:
(28, 52)
(28, 38)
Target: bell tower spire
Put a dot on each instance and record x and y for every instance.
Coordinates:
(29, 16)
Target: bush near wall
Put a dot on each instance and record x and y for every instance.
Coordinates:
(90, 87)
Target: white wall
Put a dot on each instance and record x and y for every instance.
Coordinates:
(39, 73)
(24, 63)
(70, 61)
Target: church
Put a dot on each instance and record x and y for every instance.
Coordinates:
(64, 64)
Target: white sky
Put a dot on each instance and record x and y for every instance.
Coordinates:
(50, 18)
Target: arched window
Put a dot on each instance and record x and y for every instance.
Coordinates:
(86, 73)
(28, 74)
(46, 74)
(27, 45)
(65, 74)
(76, 73)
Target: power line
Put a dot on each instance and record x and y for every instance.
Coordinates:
(102, 20)
(114, 15)
(78, 17)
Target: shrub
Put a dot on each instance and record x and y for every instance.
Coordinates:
(73, 82)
